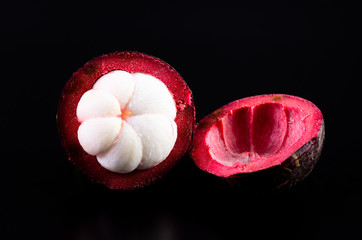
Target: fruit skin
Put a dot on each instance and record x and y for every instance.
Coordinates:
(282, 177)
(83, 80)
(293, 169)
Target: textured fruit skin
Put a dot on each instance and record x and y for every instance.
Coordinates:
(83, 80)
(282, 177)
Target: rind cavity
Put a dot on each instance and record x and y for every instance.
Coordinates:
(127, 121)
(249, 133)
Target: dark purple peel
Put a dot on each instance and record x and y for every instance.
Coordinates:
(282, 177)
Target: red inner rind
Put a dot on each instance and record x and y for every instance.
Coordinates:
(83, 80)
(254, 133)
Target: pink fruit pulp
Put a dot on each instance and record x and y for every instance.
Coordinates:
(254, 133)
(83, 80)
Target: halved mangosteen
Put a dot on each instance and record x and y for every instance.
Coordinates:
(125, 119)
(260, 143)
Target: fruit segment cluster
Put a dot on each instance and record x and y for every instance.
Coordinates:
(125, 126)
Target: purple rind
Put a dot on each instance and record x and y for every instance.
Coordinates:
(284, 176)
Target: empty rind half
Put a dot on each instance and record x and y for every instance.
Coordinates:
(125, 119)
(255, 133)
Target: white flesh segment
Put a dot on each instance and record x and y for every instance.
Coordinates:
(96, 135)
(97, 103)
(119, 83)
(125, 154)
(151, 96)
(158, 134)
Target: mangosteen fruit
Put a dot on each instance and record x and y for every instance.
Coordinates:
(260, 143)
(125, 119)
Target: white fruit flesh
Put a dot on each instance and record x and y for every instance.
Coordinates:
(127, 121)
(96, 135)
(118, 83)
(126, 154)
(151, 96)
(97, 103)
(158, 135)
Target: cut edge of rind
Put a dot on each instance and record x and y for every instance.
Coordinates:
(199, 147)
(67, 122)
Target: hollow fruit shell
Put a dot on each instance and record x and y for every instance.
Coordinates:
(278, 172)
(83, 80)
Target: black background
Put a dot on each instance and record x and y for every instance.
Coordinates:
(224, 52)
